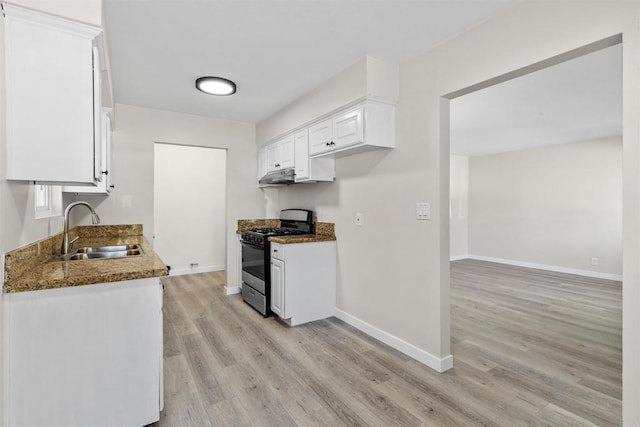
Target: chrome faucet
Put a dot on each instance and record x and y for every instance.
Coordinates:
(95, 219)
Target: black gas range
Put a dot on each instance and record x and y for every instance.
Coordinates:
(256, 256)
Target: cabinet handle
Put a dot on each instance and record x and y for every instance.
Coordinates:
(327, 144)
(112, 186)
(105, 172)
(333, 143)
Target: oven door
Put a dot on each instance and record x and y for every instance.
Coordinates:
(254, 266)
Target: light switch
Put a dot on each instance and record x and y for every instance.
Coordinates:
(423, 211)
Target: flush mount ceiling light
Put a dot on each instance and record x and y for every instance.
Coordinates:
(216, 86)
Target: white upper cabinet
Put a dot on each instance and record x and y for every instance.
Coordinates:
(272, 153)
(287, 152)
(320, 136)
(105, 185)
(301, 141)
(280, 154)
(308, 169)
(348, 129)
(312, 148)
(368, 125)
(53, 98)
(262, 162)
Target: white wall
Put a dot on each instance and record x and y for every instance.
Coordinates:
(189, 207)
(393, 271)
(459, 207)
(137, 129)
(557, 206)
(384, 186)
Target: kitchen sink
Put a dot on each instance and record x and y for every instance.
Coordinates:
(108, 249)
(100, 252)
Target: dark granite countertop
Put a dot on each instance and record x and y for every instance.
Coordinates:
(324, 231)
(27, 268)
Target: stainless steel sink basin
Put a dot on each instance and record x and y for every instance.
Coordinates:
(100, 249)
(98, 252)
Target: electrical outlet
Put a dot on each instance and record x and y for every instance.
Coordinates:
(423, 211)
(594, 261)
(359, 219)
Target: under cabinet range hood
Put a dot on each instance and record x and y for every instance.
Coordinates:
(279, 177)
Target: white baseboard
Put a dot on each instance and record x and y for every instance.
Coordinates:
(436, 363)
(458, 257)
(557, 269)
(207, 269)
(232, 290)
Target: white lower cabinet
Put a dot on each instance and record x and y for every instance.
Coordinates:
(303, 281)
(84, 356)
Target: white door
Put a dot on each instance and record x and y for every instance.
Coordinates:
(189, 207)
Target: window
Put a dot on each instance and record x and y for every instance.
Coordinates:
(43, 201)
(47, 200)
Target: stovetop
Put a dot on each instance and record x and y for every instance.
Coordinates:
(258, 236)
(276, 231)
(292, 222)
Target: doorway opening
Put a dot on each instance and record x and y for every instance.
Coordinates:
(536, 231)
(190, 207)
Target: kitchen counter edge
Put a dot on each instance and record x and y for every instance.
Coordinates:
(303, 238)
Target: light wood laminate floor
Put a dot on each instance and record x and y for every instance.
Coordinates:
(531, 348)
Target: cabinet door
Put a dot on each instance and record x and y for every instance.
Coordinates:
(302, 155)
(49, 98)
(273, 156)
(106, 152)
(104, 186)
(99, 162)
(262, 163)
(348, 129)
(287, 153)
(320, 137)
(103, 348)
(277, 287)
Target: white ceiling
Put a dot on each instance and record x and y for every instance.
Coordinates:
(573, 101)
(278, 50)
(275, 50)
